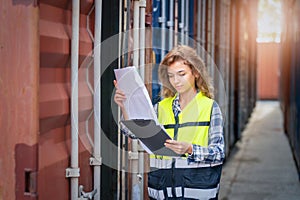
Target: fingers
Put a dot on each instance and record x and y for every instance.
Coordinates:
(173, 145)
(178, 147)
(119, 97)
(116, 83)
(170, 143)
(118, 91)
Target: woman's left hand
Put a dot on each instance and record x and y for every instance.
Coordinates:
(179, 147)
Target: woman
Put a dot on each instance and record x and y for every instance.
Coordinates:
(195, 123)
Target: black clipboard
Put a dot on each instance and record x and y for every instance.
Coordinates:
(151, 135)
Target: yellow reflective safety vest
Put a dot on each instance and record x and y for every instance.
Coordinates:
(192, 123)
(174, 177)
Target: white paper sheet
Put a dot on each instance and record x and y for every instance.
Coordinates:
(137, 104)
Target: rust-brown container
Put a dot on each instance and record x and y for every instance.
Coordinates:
(19, 111)
(268, 70)
(54, 102)
(35, 46)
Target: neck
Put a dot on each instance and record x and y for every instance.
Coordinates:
(185, 98)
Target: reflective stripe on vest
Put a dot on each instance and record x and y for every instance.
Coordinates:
(203, 194)
(192, 126)
(179, 163)
(156, 194)
(194, 193)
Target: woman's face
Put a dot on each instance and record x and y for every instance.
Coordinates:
(181, 77)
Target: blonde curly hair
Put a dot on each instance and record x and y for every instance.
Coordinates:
(190, 57)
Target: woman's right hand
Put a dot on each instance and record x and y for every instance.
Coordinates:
(119, 98)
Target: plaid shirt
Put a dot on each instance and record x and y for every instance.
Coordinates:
(214, 153)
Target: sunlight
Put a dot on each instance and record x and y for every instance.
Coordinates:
(269, 21)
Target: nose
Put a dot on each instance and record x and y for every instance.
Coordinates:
(176, 78)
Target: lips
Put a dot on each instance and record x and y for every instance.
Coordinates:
(178, 87)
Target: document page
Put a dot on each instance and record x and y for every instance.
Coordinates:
(138, 104)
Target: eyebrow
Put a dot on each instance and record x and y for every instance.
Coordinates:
(177, 71)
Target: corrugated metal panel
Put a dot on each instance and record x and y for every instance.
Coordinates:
(246, 63)
(54, 144)
(235, 56)
(268, 70)
(242, 73)
(222, 58)
(232, 77)
(242, 68)
(253, 6)
(18, 96)
(289, 76)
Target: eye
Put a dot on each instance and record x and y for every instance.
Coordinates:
(182, 74)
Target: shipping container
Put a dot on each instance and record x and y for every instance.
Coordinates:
(268, 55)
(289, 76)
